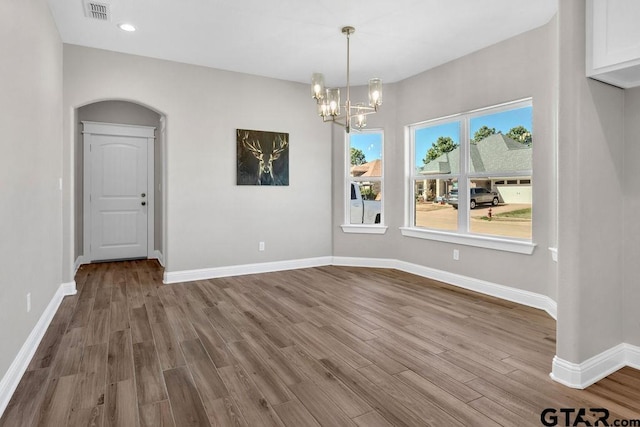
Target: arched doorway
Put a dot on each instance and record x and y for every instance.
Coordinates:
(120, 112)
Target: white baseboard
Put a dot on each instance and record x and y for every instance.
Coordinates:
(14, 374)
(239, 270)
(582, 375)
(519, 296)
(365, 262)
(68, 289)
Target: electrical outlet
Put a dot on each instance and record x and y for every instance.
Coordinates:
(29, 302)
(261, 246)
(456, 254)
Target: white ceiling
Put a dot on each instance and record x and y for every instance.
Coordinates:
(290, 39)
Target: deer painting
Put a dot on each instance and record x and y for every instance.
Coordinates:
(262, 158)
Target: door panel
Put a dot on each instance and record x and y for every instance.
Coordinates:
(118, 191)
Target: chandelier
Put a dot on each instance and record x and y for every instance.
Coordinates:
(328, 100)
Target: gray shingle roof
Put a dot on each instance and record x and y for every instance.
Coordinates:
(496, 153)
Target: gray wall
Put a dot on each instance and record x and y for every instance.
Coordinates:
(521, 67)
(211, 222)
(591, 158)
(631, 205)
(121, 112)
(30, 166)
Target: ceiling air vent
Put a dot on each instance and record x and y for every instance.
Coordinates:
(97, 10)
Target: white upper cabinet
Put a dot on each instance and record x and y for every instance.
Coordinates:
(613, 42)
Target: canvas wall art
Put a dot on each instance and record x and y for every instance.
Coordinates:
(263, 157)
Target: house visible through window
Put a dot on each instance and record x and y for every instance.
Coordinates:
(472, 173)
(365, 177)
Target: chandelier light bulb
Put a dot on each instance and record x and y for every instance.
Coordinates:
(317, 86)
(361, 117)
(322, 110)
(333, 101)
(375, 93)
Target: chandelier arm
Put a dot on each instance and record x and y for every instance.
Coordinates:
(333, 118)
(363, 108)
(366, 113)
(336, 120)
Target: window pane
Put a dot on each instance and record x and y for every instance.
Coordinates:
(366, 202)
(501, 142)
(437, 149)
(366, 154)
(504, 211)
(433, 208)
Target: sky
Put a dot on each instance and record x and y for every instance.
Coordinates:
(369, 143)
(502, 122)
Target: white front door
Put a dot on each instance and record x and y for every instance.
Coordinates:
(118, 191)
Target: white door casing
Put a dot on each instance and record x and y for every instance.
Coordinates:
(118, 191)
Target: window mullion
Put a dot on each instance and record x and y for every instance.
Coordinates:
(463, 181)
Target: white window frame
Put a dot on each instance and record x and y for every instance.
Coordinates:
(346, 226)
(463, 236)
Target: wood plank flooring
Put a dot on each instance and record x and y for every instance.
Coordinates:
(330, 346)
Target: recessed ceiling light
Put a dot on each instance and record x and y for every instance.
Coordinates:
(126, 27)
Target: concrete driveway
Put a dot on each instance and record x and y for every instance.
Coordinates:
(444, 217)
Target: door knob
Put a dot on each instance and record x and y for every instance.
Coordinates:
(143, 203)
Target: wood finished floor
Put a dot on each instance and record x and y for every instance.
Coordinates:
(329, 346)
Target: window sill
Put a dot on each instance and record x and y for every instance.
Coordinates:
(496, 243)
(364, 228)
